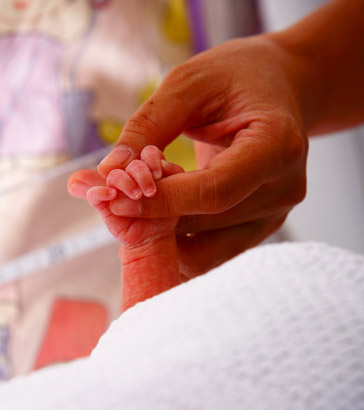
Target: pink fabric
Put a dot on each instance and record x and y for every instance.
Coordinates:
(31, 112)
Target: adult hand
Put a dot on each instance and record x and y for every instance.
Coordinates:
(242, 101)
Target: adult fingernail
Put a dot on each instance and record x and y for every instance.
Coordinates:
(117, 156)
(125, 207)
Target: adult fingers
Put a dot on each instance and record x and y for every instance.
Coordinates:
(204, 251)
(150, 125)
(174, 107)
(229, 178)
(269, 199)
(81, 181)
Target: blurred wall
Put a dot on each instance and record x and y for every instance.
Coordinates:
(334, 208)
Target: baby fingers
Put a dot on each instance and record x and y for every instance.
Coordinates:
(99, 198)
(139, 177)
(157, 164)
(170, 169)
(136, 181)
(97, 195)
(152, 156)
(122, 181)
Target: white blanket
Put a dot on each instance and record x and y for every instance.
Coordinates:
(278, 328)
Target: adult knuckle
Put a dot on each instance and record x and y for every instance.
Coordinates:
(181, 73)
(166, 204)
(295, 192)
(292, 140)
(300, 190)
(295, 142)
(212, 198)
(142, 125)
(184, 78)
(296, 150)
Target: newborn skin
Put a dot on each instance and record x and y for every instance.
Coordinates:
(148, 246)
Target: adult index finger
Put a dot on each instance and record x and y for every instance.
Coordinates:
(228, 179)
(162, 118)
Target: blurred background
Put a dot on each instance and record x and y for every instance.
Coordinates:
(72, 73)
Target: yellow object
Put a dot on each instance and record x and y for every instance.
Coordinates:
(109, 131)
(181, 152)
(175, 23)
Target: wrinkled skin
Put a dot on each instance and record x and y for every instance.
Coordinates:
(249, 104)
(148, 246)
(252, 148)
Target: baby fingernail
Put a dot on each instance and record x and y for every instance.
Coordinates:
(111, 192)
(157, 174)
(137, 193)
(150, 191)
(126, 207)
(117, 156)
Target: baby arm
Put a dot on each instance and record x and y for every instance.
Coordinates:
(148, 246)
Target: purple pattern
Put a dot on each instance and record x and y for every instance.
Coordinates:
(197, 25)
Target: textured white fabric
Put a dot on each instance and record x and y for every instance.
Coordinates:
(278, 328)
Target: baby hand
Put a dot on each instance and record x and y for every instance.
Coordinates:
(136, 180)
(139, 176)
